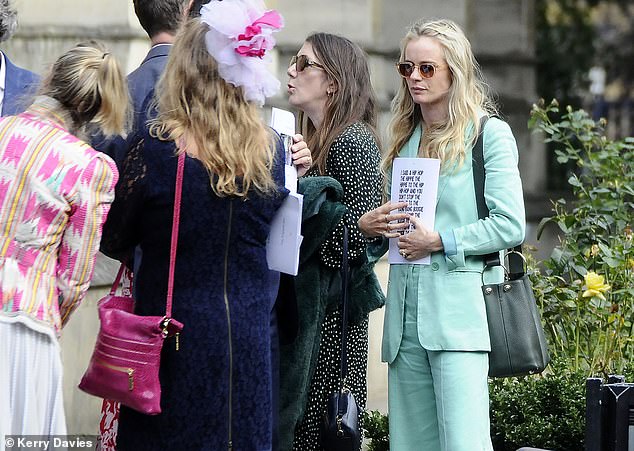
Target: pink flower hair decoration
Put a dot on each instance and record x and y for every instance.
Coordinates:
(239, 37)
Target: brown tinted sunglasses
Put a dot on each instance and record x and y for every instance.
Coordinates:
(302, 62)
(407, 68)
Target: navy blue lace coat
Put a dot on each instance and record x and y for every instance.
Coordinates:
(216, 388)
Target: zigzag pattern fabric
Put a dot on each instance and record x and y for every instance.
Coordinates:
(55, 193)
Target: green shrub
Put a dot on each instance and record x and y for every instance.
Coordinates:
(376, 428)
(545, 411)
(586, 288)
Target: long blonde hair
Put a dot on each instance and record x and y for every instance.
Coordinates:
(192, 99)
(468, 98)
(89, 84)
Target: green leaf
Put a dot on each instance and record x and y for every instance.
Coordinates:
(542, 224)
(533, 120)
(574, 181)
(611, 262)
(581, 270)
(605, 249)
(557, 255)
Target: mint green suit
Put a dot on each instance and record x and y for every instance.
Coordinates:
(435, 335)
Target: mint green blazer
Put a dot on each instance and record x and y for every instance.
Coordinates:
(451, 314)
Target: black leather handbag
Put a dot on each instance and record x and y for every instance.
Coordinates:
(340, 427)
(518, 344)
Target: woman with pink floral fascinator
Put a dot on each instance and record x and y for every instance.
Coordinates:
(216, 385)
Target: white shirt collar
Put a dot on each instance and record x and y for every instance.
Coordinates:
(3, 77)
(162, 43)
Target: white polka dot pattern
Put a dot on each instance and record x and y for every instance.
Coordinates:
(353, 160)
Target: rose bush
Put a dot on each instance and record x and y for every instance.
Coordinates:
(586, 288)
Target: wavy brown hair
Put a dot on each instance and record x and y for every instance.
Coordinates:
(353, 100)
(468, 98)
(194, 101)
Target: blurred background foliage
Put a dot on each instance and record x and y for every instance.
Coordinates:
(575, 38)
(574, 35)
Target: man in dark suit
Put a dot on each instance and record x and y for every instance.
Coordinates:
(15, 83)
(160, 19)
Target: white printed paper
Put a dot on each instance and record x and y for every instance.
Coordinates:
(285, 238)
(283, 122)
(415, 181)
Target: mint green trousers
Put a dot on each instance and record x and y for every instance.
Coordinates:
(437, 400)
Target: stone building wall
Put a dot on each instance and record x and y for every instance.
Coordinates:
(502, 34)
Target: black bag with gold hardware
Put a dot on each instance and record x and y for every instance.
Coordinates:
(340, 427)
(341, 423)
(518, 344)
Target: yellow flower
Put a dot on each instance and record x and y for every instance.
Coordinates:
(595, 285)
(630, 263)
(594, 250)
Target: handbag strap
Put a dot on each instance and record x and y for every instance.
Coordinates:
(175, 222)
(515, 257)
(127, 289)
(345, 273)
(174, 240)
(117, 279)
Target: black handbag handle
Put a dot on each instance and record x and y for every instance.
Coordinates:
(516, 260)
(345, 273)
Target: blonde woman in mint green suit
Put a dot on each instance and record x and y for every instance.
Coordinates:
(435, 336)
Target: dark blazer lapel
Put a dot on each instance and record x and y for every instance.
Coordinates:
(19, 83)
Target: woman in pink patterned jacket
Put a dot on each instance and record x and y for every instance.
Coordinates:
(55, 193)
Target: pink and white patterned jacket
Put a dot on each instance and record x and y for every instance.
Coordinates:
(55, 193)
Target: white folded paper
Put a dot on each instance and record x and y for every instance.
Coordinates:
(283, 122)
(285, 236)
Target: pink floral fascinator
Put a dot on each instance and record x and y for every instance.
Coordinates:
(239, 37)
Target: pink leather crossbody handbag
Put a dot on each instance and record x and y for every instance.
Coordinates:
(124, 366)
